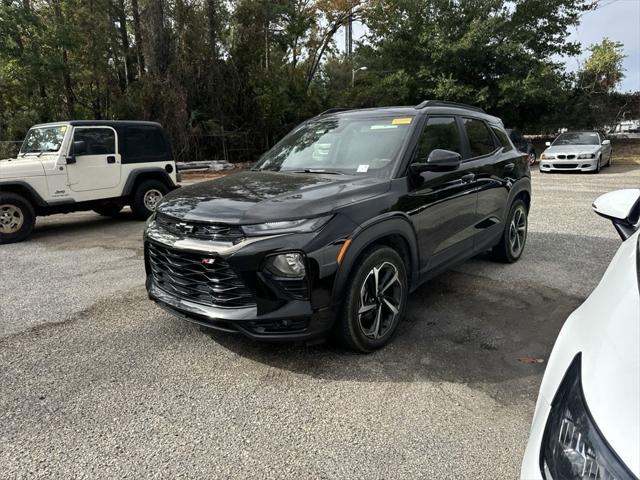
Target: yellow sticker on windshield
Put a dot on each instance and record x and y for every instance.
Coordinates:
(63, 129)
(401, 121)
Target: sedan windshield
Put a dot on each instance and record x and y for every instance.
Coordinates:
(577, 138)
(340, 145)
(43, 139)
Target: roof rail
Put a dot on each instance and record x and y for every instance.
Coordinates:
(442, 103)
(333, 110)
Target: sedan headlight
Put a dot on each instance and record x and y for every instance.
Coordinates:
(573, 448)
(583, 156)
(546, 156)
(303, 225)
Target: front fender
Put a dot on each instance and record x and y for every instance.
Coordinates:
(393, 223)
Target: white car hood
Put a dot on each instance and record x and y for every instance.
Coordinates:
(607, 332)
(29, 166)
(577, 149)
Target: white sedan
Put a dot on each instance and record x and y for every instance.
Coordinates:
(577, 151)
(587, 419)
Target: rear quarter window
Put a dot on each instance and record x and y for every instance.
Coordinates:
(480, 139)
(146, 144)
(503, 139)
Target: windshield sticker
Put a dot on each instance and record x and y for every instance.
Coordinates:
(63, 129)
(401, 121)
(362, 169)
(382, 127)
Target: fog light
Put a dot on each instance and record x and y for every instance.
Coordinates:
(287, 265)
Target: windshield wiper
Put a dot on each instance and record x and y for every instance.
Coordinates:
(315, 170)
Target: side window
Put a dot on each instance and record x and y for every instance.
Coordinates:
(144, 142)
(504, 139)
(100, 141)
(439, 133)
(480, 139)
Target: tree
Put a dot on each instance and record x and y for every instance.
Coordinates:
(603, 71)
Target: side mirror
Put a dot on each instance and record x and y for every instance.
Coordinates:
(79, 148)
(547, 144)
(622, 207)
(439, 161)
(606, 141)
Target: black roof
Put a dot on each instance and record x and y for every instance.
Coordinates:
(102, 123)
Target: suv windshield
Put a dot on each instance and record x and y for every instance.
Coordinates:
(340, 145)
(43, 139)
(577, 138)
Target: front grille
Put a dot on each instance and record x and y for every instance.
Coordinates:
(200, 230)
(565, 157)
(565, 165)
(207, 280)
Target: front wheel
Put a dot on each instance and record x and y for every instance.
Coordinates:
(17, 218)
(146, 197)
(514, 236)
(375, 301)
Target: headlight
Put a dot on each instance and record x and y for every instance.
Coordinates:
(572, 446)
(582, 156)
(303, 225)
(286, 265)
(546, 156)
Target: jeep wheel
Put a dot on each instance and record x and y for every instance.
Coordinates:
(17, 218)
(108, 209)
(146, 197)
(514, 236)
(375, 301)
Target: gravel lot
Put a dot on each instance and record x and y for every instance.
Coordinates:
(99, 382)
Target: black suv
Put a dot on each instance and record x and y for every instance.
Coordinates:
(338, 222)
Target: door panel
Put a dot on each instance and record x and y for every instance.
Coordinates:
(442, 205)
(99, 167)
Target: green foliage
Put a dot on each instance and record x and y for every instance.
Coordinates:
(229, 78)
(603, 71)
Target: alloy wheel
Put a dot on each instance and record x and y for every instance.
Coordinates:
(151, 198)
(380, 300)
(518, 231)
(11, 219)
(532, 158)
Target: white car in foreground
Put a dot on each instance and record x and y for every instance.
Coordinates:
(577, 151)
(587, 419)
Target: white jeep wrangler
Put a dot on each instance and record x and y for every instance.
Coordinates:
(84, 165)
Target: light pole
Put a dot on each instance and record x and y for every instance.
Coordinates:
(353, 75)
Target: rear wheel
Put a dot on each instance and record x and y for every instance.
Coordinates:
(531, 157)
(146, 197)
(375, 301)
(17, 218)
(514, 236)
(108, 209)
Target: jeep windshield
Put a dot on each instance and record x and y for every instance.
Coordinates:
(43, 139)
(340, 145)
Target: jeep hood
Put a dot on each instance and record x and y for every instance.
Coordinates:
(260, 196)
(14, 168)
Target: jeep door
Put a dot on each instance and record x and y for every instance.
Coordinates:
(441, 204)
(98, 166)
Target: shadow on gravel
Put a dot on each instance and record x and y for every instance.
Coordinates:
(459, 328)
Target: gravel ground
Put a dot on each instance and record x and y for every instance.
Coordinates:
(97, 382)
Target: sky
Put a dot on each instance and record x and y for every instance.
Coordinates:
(619, 20)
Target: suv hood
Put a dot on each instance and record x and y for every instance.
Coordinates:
(21, 167)
(259, 196)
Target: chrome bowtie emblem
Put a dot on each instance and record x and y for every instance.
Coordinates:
(184, 227)
(208, 261)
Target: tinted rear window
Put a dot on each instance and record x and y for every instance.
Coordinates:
(480, 139)
(145, 142)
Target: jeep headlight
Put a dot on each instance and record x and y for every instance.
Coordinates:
(583, 156)
(572, 447)
(303, 225)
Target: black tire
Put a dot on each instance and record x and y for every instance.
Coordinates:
(599, 167)
(531, 156)
(352, 328)
(108, 209)
(141, 209)
(610, 159)
(17, 218)
(506, 251)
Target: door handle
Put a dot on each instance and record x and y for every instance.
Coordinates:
(111, 159)
(469, 177)
(509, 166)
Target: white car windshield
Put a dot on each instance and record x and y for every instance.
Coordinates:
(342, 145)
(577, 138)
(43, 139)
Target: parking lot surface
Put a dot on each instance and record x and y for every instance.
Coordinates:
(99, 382)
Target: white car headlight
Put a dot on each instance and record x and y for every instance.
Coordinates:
(303, 225)
(583, 156)
(546, 156)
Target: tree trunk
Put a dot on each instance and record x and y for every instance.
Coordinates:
(66, 74)
(121, 17)
(137, 34)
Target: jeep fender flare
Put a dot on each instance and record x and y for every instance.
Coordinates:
(396, 224)
(24, 189)
(151, 172)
